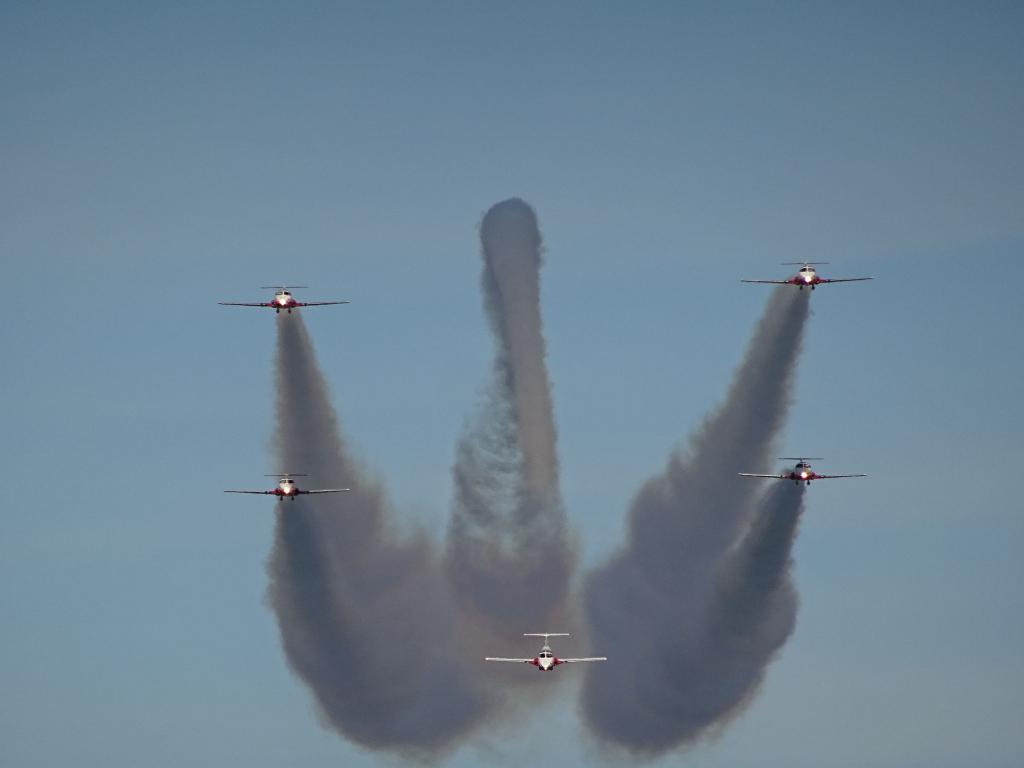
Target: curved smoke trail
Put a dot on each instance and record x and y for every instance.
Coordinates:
(661, 596)
(365, 619)
(509, 557)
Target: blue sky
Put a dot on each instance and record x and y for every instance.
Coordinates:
(157, 160)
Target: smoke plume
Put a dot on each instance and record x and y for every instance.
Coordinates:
(754, 609)
(694, 606)
(365, 618)
(693, 633)
(509, 557)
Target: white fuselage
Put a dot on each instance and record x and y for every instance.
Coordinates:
(802, 473)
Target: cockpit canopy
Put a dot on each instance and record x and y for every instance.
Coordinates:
(545, 654)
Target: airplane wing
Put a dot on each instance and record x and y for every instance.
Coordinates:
(240, 304)
(774, 477)
(518, 661)
(845, 279)
(328, 490)
(773, 282)
(833, 477)
(319, 303)
(588, 658)
(260, 493)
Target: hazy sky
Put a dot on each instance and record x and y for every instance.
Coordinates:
(155, 160)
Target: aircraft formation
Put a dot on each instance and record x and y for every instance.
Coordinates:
(809, 277)
(545, 659)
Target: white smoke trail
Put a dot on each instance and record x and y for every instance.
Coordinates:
(658, 597)
(365, 618)
(509, 557)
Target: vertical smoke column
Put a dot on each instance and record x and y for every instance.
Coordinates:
(509, 557)
(365, 619)
(752, 613)
(657, 597)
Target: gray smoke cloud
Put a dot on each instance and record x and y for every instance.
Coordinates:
(752, 613)
(693, 639)
(366, 619)
(694, 606)
(509, 557)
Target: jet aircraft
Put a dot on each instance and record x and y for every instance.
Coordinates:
(545, 660)
(283, 299)
(801, 473)
(807, 276)
(287, 489)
